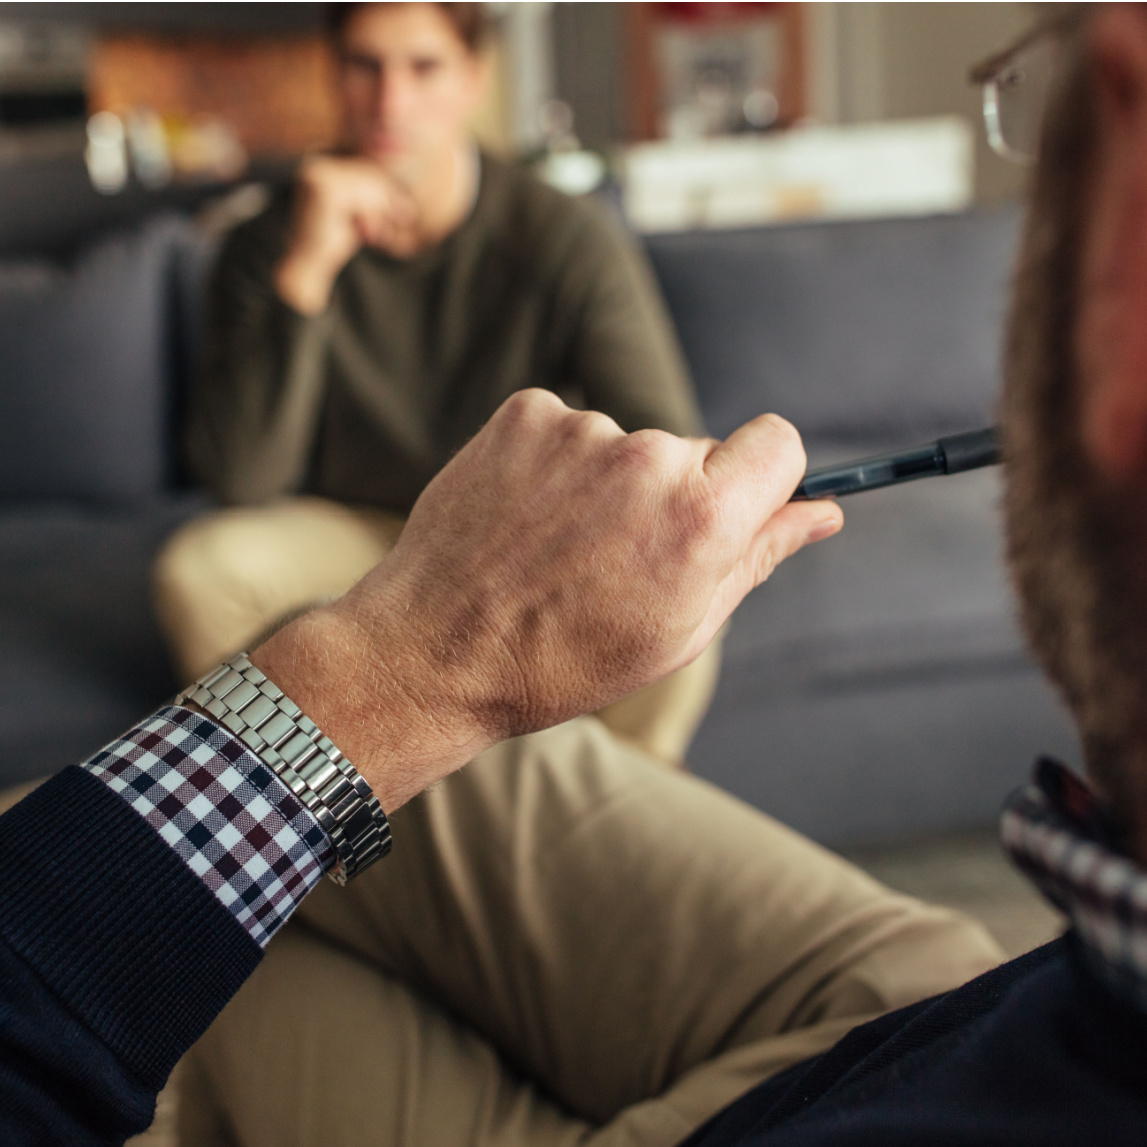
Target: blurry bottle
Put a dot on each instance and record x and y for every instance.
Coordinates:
(147, 146)
(106, 153)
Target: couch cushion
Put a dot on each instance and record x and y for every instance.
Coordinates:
(850, 330)
(89, 361)
(81, 657)
(877, 685)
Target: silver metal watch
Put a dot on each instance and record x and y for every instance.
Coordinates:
(241, 698)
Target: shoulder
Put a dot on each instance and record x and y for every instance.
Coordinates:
(546, 228)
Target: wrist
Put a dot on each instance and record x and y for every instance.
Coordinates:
(305, 283)
(372, 694)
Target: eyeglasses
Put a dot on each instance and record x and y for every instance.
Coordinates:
(1017, 84)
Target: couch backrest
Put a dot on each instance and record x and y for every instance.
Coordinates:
(92, 358)
(880, 329)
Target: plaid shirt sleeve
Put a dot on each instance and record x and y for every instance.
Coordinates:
(225, 813)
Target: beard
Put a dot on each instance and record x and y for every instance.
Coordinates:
(1075, 547)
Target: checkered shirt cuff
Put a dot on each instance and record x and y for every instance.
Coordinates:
(233, 822)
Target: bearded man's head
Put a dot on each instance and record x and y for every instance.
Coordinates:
(1076, 485)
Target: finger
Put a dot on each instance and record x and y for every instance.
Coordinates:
(369, 232)
(400, 242)
(370, 220)
(403, 209)
(790, 529)
(793, 527)
(764, 459)
(388, 234)
(387, 196)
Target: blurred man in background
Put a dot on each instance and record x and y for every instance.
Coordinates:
(366, 325)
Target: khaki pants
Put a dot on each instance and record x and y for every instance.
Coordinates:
(225, 578)
(568, 945)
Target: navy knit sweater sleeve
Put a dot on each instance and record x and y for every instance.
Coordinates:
(114, 958)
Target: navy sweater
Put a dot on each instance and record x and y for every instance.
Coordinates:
(1033, 1053)
(114, 958)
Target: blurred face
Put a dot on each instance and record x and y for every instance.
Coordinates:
(408, 84)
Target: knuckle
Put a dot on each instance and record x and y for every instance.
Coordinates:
(647, 454)
(589, 425)
(528, 415)
(654, 446)
(525, 405)
(538, 398)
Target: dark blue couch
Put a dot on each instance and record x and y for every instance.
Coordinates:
(876, 687)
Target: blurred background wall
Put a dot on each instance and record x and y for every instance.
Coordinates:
(893, 61)
(862, 63)
(259, 68)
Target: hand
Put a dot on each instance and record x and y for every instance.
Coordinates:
(341, 205)
(554, 565)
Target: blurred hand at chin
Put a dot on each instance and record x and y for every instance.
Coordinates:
(553, 566)
(341, 205)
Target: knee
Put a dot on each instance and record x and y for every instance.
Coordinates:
(198, 561)
(921, 951)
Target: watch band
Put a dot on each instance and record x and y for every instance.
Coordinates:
(255, 709)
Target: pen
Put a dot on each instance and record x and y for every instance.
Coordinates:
(949, 455)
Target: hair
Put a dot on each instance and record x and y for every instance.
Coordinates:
(1075, 547)
(470, 21)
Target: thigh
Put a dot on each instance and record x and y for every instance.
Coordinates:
(613, 927)
(662, 718)
(295, 548)
(320, 1049)
(224, 578)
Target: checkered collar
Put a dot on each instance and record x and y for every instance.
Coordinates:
(1057, 832)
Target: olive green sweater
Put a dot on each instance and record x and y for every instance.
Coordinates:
(367, 401)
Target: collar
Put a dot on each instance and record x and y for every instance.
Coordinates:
(1057, 832)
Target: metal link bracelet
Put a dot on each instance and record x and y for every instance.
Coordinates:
(271, 725)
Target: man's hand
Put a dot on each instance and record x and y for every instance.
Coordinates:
(554, 565)
(341, 205)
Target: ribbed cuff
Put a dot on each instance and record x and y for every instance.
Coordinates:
(115, 923)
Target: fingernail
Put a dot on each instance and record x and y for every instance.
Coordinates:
(824, 529)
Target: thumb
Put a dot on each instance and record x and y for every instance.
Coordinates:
(763, 459)
(790, 529)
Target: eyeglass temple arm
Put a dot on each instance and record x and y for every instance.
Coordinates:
(986, 70)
